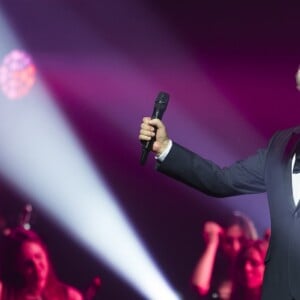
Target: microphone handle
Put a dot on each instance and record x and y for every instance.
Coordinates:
(158, 111)
(147, 146)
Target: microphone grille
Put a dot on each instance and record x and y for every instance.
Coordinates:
(163, 97)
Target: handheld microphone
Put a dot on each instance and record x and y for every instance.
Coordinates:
(160, 105)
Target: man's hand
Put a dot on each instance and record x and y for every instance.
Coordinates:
(147, 131)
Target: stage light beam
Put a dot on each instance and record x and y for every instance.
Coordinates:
(41, 156)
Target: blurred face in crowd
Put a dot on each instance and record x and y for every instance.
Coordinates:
(253, 268)
(233, 240)
(33, 266)
(225, 289)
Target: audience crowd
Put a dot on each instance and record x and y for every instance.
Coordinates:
(230, 267)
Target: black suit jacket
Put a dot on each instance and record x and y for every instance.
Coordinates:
(269, 170)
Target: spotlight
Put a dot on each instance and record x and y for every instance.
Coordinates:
(17, 74)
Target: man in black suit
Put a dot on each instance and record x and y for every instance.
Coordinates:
(273, 170)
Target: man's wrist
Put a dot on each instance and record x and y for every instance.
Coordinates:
(161, 157)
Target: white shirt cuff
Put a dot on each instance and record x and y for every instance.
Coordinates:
(163, 155)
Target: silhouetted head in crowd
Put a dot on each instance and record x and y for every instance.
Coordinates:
(237, 230)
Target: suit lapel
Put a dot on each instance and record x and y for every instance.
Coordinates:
(292, 146)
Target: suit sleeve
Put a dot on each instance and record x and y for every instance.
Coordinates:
(243, 177)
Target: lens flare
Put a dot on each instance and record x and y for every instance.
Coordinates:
(17, 74)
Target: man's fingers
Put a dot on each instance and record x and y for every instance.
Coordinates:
(147, 127)
(146, 119)
(156, 122)
(144, 138)
(147, 132)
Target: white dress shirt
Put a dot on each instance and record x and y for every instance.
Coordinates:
(295, 183)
